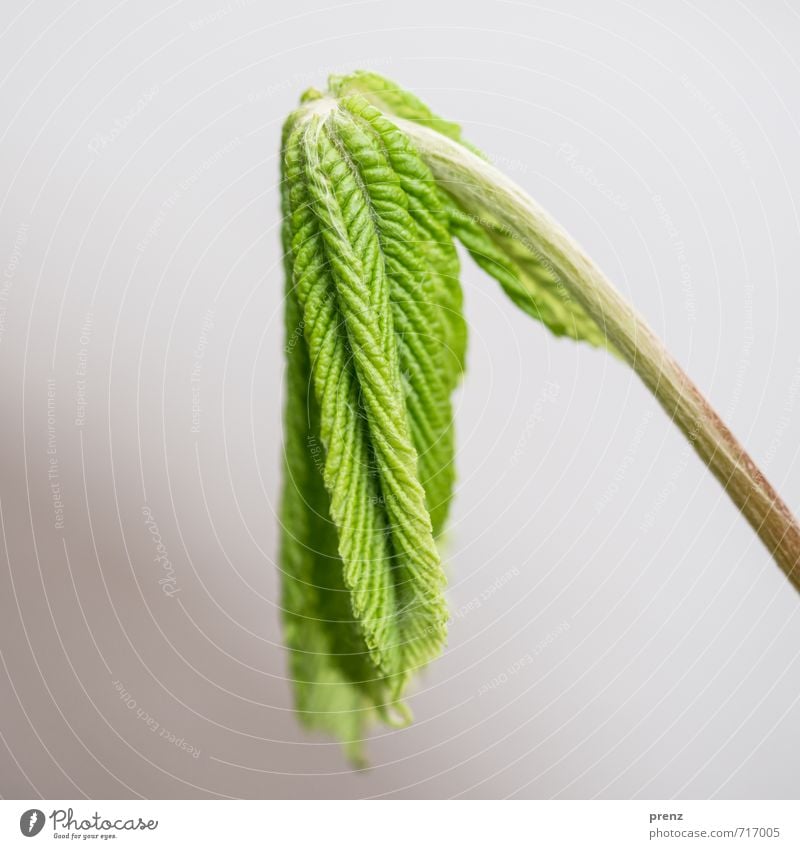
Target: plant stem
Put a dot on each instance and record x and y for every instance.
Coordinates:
(477, 183)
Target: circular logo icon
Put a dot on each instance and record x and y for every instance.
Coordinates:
(31, 822)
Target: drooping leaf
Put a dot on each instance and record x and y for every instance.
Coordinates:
(375, 346)
(526, 276)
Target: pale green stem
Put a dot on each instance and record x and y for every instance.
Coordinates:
(478, 184)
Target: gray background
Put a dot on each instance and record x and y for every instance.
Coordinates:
(618, 630)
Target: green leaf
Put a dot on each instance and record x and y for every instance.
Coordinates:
(388, 97)
(375, 342)
(527, 276)
(375, 346)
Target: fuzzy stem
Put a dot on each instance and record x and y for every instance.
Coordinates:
(477, 183)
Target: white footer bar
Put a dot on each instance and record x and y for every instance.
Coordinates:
(406, 824)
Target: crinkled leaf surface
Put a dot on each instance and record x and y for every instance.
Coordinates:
(375, 346)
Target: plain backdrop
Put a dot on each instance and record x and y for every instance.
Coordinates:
(618, 630)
